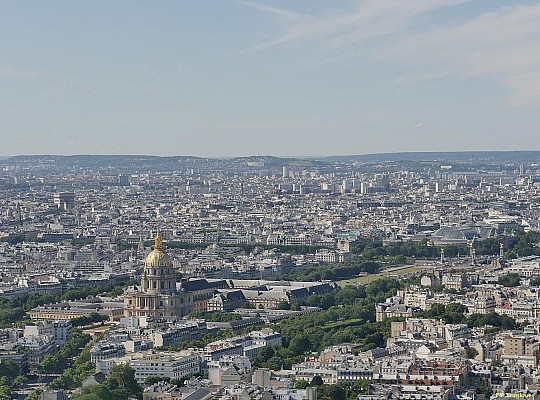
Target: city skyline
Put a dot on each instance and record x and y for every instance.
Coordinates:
(240, 78)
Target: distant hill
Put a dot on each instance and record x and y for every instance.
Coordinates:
(89, 160)
(498, 156)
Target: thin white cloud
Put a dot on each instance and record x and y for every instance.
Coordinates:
(8, 72)
(418, 125)
(287, 15)
(368, 19)
(499, 45)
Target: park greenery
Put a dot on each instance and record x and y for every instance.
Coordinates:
(9, 379)
(333, 271)
(348, 316)
(215, 316)
(92, 318)
(524, 244)
(509, 280)
(334, 392)
(13, 311)
(56, 363)
(535, 282)
(453, 313)
(81, 368)
(120, 385)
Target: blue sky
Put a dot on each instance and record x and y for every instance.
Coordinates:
(242, 77)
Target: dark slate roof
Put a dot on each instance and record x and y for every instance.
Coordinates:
(320, 289)
(234, 295)
(246, 322)
(195, 285)
(199, 394)
(222, 284)
(299, 292)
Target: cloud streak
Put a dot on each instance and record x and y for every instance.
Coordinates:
(279, 12)
(367, 19)
(501, 45)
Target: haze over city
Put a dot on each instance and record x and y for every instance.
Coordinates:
(234, 78)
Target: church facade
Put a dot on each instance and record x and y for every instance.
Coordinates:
(157, 295)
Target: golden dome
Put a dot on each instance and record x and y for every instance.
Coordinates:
(157, 258)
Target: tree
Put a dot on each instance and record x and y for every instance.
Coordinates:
(100, 392)
(5, 392)
(470, 352)
(535, 282)
(361, 386)
(346, 295)
(301, 384)
(331, 392)
(35, 395)
(284, 305)
(123, 377)
(485, 390)
(20, 381)
(453, 313)
(89, 319)
(489, 246)
(275, 363)
(9, 370)
(509, 280)
(150, 380)
(317, 381)
(267, 353)
(10, 315)
(299, 344)
(215, 316)
(56, 363)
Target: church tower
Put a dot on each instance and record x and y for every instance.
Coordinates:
(157, 295)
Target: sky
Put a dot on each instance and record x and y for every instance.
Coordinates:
(286, 78)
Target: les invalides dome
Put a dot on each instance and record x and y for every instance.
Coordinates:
(157, 295)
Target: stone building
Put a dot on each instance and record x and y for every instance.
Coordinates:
(157, 296)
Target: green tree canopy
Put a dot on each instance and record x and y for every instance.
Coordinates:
(509, 280)
(317, 381)
(301, 384)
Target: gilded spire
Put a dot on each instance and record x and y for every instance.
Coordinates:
(158, 244)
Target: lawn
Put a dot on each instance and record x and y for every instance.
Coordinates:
(369, 278)
(343, 324)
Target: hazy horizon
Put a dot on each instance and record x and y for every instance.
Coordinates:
(274, 155)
